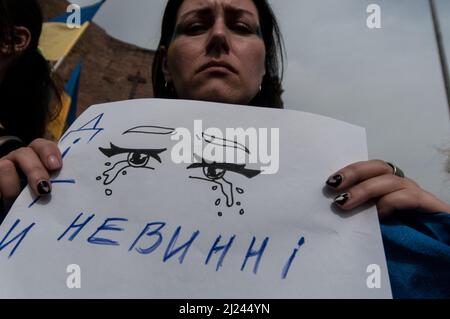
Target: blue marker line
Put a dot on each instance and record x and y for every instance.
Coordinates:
(63, 181)
(255, 253)
(55, 181)
(286, 267)
(20, 237)
(66, 152)
(34, 202)
(85, 128)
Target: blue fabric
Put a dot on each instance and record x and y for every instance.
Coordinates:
(417, 247)
(87, 13)
(72, 88)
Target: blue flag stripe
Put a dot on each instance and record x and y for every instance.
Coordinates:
(87, 13)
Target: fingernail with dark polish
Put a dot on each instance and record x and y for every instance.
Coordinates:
(342, 199)
(44, 188)
(335, 181)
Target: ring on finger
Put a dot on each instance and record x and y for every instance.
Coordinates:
(396, 170)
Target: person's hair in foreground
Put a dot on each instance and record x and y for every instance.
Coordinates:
(271, 87)
(27, 88)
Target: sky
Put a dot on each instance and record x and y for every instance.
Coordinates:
(387, 80)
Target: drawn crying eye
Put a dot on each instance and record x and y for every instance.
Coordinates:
(131, 158)
(138, 159)
(213, 173)
(135, 157)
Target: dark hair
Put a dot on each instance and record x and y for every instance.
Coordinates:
(271, 89)
(27, 88)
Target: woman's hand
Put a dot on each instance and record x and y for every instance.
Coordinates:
(361, 182)
(35, 162)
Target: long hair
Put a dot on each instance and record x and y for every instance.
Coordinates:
(27, 87)
(271, 88)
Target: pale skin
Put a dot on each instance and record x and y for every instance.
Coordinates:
(374, 180)
(225, 34)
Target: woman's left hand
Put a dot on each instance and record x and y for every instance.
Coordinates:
(361, 182)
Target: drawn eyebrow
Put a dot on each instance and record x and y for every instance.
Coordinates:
(115, 150)
(236, 168)
(211, 139)
(145, 129)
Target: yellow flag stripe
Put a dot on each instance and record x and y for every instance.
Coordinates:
(57, 127)
(57, 40)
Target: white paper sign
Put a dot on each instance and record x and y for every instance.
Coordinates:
(130, 217)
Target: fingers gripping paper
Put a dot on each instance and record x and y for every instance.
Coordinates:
(166, 199)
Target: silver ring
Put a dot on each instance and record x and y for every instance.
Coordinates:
(396, 171)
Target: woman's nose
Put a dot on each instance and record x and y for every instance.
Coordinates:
(218, 41)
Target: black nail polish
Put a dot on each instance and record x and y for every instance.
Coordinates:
(335, 181)
(44, 188)
(342, 199)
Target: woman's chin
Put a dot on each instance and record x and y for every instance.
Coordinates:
(221, 96)
(219, 99)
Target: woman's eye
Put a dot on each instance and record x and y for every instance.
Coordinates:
(195, 29)
(243, 28)
(137, 159)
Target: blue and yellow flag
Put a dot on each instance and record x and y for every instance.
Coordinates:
(58, 39)
(72, 88)
(68, 112)
(87, 13)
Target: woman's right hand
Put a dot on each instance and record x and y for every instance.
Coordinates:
(36, 162)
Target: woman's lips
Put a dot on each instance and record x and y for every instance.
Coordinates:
(217, 67)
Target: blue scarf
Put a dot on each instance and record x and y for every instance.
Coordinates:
(417, 247)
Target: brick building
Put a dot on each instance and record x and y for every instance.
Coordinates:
(112, 70)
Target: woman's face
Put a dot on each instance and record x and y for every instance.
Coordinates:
(217, 52)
